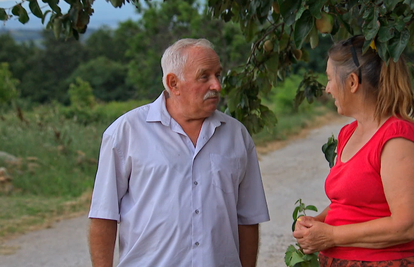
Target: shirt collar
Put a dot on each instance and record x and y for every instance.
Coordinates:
(158, 111)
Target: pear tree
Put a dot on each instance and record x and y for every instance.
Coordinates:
(281, 33)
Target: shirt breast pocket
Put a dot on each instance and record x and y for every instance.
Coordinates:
(226, 172)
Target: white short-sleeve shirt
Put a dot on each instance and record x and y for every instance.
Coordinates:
(176, 204)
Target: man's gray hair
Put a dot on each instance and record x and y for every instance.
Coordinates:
(175, 57)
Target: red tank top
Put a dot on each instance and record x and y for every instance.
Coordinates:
(356, 192)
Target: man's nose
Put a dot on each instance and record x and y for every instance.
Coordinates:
(216, 84)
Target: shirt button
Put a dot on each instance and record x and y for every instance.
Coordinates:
(195, 183)
(196, 243)
(197, 211)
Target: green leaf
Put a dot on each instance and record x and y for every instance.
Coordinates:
(329, 149)
(3, 14)
(293, 225)
(382, 51)
(272, 63)
(262, 81)
(19, 11)
(314, 37)
(390, 4)
(303, 27)
(397, 44)
(34, 7)
(315, 7)
(117, 3)
(311, 207)
(288, 254)
(57, 27)
(252, 123)
(44, 16)
(345, 24)
(385, 33)
(295, 213)
(371, 26)
(54, 5)
(291, 248)
(296, 258)
(288, 10)
(284, 41)
(233, 100)
(410, 3)
(250, 30)
(300, 96)
(268, 116)
(314, 262)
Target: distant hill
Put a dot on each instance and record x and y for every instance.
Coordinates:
(26, 35)
(23, 35)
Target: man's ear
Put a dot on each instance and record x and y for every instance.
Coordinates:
(172, 83)
(353, 82)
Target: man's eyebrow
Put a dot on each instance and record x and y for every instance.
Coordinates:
(202, 71)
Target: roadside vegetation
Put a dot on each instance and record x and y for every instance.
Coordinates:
(52, 152)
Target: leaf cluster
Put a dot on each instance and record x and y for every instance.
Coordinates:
(8, 90)
(290, 24)
(294, 255)
(279, 31)
(329, 149)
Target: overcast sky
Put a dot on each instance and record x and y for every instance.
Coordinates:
(104, 14)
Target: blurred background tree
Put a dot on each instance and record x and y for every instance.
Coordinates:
(260, 44)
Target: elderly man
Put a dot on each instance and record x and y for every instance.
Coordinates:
(180, 178)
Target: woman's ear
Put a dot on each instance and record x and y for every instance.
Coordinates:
(353, 82)
(172, 83)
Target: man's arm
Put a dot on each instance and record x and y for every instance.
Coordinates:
(249, 243)
(102, 237)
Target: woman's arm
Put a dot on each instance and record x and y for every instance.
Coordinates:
(397, 173)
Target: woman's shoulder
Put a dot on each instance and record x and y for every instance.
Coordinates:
(396, 127)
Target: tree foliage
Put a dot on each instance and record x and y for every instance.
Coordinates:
(280, 34)
(81, 95)
(8, 90)
(106, 77)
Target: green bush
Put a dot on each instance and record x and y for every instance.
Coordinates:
(57, 155)
(8, 84)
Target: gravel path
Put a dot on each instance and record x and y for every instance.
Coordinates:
(295, 171)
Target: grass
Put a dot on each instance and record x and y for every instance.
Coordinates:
(56, 157)
(21, 213)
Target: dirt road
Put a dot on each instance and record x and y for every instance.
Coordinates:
(295, 171)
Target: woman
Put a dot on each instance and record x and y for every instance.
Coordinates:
(370, 221)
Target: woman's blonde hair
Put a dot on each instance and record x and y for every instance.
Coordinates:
(389, 84)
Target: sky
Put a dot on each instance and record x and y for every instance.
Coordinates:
(104, 14)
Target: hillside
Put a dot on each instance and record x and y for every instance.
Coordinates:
(26, 35)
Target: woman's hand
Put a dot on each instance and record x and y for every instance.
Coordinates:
(313, 235)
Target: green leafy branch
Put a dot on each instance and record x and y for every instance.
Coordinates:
(294, 255)
(329, 149)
